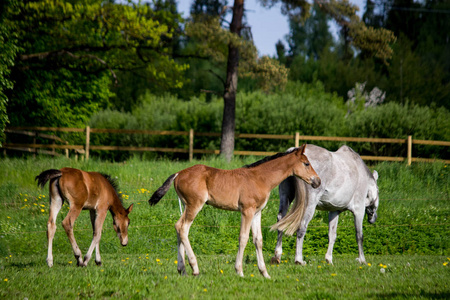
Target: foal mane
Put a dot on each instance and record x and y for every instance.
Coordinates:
(268, 158)
(114, 184)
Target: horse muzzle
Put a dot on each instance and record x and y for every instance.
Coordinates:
(315, 182)
(372, 218)
(124, 241)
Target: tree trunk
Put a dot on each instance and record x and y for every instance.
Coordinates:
(229, 97)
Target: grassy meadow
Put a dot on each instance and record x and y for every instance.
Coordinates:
(408, 248)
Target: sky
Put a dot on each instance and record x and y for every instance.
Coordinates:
(268, 25)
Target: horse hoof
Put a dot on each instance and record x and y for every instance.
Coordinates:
(195, 274)
(275, 261)
(98, 263)
(301, 263)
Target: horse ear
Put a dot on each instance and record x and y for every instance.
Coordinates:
(303, 149)
(129, 209)
(375, 175)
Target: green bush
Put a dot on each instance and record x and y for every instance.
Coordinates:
(305, 108)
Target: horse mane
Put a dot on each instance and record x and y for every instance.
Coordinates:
(269, 158)
(114, 184)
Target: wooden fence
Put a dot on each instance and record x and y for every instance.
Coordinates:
(296, 138)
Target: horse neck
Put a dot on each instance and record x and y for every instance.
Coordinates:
(273, 172)
(116, 206)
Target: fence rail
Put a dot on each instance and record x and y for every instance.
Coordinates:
(296, 138)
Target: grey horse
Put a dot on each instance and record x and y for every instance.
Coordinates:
(347, 184)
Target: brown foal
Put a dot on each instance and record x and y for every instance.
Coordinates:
(245, 189)
(84, 190)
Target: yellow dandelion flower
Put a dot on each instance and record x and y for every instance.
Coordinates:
(42, 205)
(297, 279)
(333, 274)
(205, 290)
(9, 217)
(70, 262)
(102, 270)
(319, 267)
(255, 265)
(25, 200)
(252, 275)
(5, 280)
(445, 264)
(175, 262)
(42, 210)
(221, 271)
(165, 277)
(384, 266)
(369, 264)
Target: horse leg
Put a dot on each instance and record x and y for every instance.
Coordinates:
(181, 265)
(285, 192)
(68, 223)
(307, 217)
(246, 222)
(333, 218)
(359, 235)
(97, 220)
(56, 203)
(182, 226)
(257, 240)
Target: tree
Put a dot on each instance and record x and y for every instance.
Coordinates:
(376, 41)
(72, 51)
(8, 49)
(310, 37)
(233, 48)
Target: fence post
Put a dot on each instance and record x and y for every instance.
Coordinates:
(409, 149)
(34, 143)
(297, 139)
(88, 136)
(191, 144)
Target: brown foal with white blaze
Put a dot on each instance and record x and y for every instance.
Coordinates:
(246, 189)
(93, 191)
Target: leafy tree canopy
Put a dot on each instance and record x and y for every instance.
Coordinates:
(375, 41)
(72, 50)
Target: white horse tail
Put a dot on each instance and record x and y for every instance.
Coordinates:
(292, 221)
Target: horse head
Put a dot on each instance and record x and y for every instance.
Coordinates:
(304, 170)
(121, 223)
(372, 199)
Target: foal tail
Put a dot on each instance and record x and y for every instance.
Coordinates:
(46, 176)
(292, 221)
(162, 190)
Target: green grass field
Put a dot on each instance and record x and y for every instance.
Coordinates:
(408, 248)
